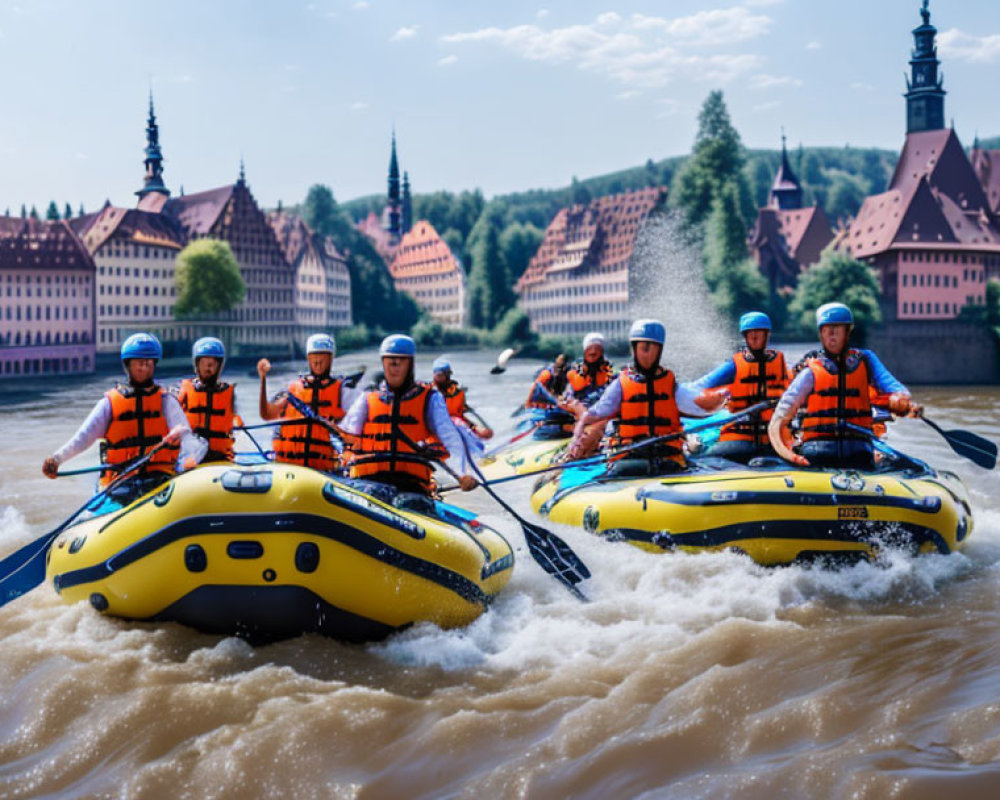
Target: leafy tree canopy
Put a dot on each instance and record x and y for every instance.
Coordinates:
(837, 278)
(208, 279)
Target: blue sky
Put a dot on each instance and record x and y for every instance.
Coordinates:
(501, 96)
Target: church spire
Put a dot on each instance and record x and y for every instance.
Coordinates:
(394, 198)
(786, 191)
(153, 180)
(407, 204)
(924, 92)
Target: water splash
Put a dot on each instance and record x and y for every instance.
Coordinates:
(667, 283)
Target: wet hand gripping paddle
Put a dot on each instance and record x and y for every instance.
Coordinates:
(24, 569)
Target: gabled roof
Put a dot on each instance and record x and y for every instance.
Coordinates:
(422, 252)
(292, 234)
(939, 156)
(198, 213)
(770, 245)
(132, 225)
(986, 164)
(40, 244)
(601, 233)
(795, 223)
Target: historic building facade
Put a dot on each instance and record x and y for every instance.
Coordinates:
(788, 237)
(425, 268)
(47, 319)
(933, 235)
(579, 279)
(322, 280)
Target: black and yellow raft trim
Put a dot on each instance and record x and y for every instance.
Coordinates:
(273, 551)
(776, 516)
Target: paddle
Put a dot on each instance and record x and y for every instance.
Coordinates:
(350, 380)
(552, 553)
(586, 462)
(84, 470)
(549, 551)
(24, 569)
(502, 359)
(889, 450)
(969, 445)
(470, 410)
(517, 412)
(516, 438)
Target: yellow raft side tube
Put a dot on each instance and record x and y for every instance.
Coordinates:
(520, 458)
(775, 517)
(276, 550)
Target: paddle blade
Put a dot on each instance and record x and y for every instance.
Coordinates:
(974, 447)
(504, 357)
(23, 570)
(554, 555)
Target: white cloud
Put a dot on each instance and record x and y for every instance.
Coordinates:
(814, 46)
(542, 13)
(404, 33)
(768, 106)
(762, 3)
(447, 61)
(360, 105)
(642, 51)
(968, 47)
(764, 81)
(361, 5)
(628, 94)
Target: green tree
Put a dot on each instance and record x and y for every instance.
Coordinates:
(490, 292)
(374, 299)
(761, 177)
(845, 197)
(733, 278)
(514, 328)
(24, 211)
(82, 212)
(33, 213)
(837, 278)
(52, 212)
(519, 242)
(579, 194)
(68, 212)
(208, 279)
(718, 158)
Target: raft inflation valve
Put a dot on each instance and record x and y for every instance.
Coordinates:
(269, 575)
(194, 558)
(306, 557)
(99, 601)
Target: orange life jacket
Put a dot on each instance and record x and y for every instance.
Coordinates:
(454, 398)
(137, 425)
(389, 415)
(650, 409)
(585, 381)
(554, 381)
(309, 444)
(210, 411)
(839, 396)
(754, 382)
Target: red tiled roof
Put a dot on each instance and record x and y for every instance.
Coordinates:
(198, 213)
(133, 225)
(601, 233)
(986, 164)
(939, 156)
(291, 232)
(28, 243)
(795, 223)
(371, 226)
(423, 252)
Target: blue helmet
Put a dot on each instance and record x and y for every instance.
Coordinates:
(648, 330)
(833, 314)
(398, 344)
(142, 345)
(321, 343)
(441, 364)
(755, 321)
(208, 346)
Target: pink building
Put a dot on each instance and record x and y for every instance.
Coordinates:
(47, 319)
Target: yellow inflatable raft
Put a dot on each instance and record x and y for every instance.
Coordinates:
(272, 551)
(775, 515)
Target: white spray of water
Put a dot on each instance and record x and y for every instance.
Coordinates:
(667, 283)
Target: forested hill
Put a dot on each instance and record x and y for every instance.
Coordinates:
(838, 178)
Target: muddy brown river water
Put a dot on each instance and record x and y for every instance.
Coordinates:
(686, 676)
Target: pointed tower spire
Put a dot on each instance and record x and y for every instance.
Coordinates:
(242, 179)
(394, 199)
(407, 204)
(924, 92)
(786, 192)
(153, 180)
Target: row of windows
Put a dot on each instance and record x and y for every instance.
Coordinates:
(14, 313)
(128, 290)
(66, 280)
(127, 272)
(939, 280)
(15, 291)
(579, 308)
(123, 311)
(939, 308)
(579, 290)
(46, 366)
(946, 258)
(124, 251)
(25, 338)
